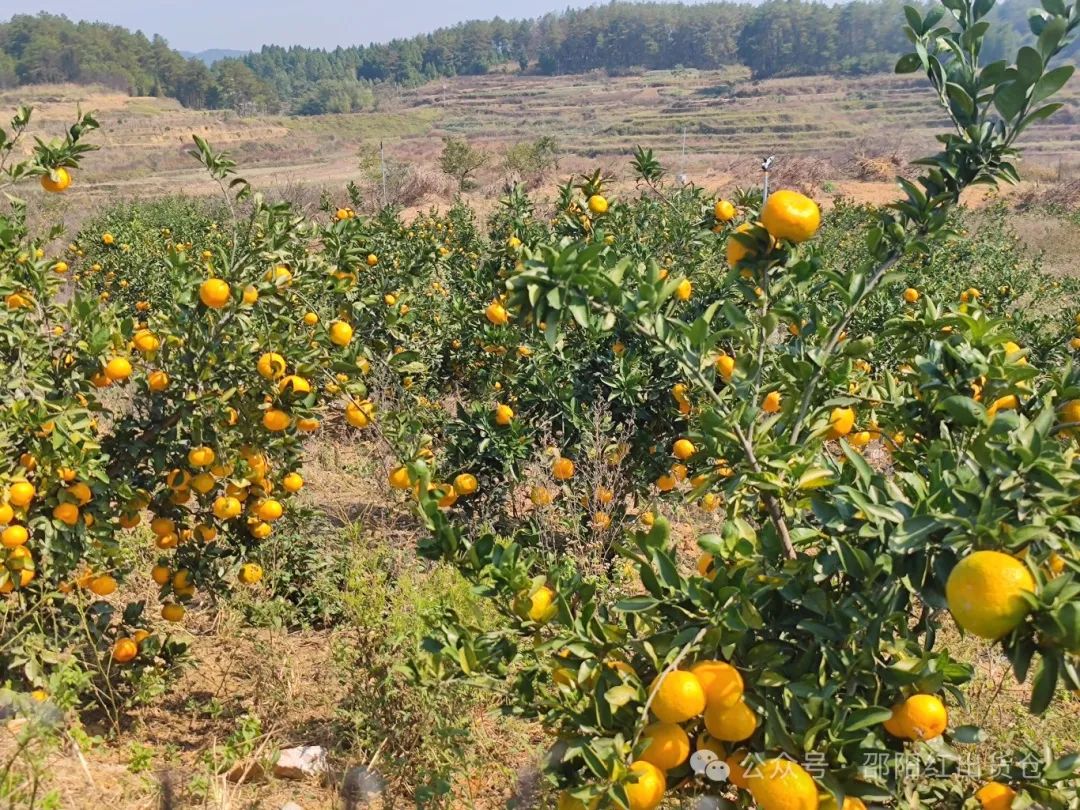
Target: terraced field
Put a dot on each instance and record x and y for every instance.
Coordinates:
(712, 125)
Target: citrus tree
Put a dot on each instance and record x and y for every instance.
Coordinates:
(799, 662)
(180, 419)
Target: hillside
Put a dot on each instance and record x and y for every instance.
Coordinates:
(830, 130)
(776, 38)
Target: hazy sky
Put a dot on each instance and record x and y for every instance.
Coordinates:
(196, 25)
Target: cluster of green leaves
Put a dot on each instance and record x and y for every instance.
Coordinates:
(826, 586)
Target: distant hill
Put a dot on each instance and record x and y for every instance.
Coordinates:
(210, 57)
(771, 38)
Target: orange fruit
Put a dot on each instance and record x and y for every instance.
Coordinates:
(250, 573)
(360, 414)
(67, 513)
(172, 612)
(496, 313)
(124, 650)
(995, 796)
(275, 420)
(340, 333)
(841, 421)
(21, 494)
(269, 510)
(911, 295)
(677, 697)
(737, 251)
(598, 205)
(782, 784)
(790, 215)
(647, 791)
(920, 717)
(157, 380)
(292, 482)
(725, 366)
(103, 585)
(683, 449)
(160, 574)
(7, 514)
(731, 723)
(14, 536)
(737, 767)
(538, 607)
(504, 415)
(465, 484)
(684, 290)
(771, 403)
(202, 456)
(214, 293)
(724, 211)
(56, 181)
(668, 745)
(562, 469)
(722, 683)
(271, 365)
(985, 593)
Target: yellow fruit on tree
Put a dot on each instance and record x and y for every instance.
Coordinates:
(737, 251)
(21, 494)
(399, 478)
(202, 456)
(172, 612)
(684, 290)
(124, 650)
(598, 204)
(67, 513)
(722, 683)
(160, 574)
(771, 403)
(724, 211)
(271, 365)
(920, 717)
(539, 606)
(737, 766)
(504, 415)
(227, 507)
(790, 215)
(6, 514)
(1070, 412)
(568, 802)
(562, 469)
(56, 181)
(683, 449)
(668, 745)
(985, 593)
(647, 791)
(14, 536)
(841, 421)
(465, 484)
(275, 420)
(733, 723)
(103, 585)
(292, 482)
(496, 313)
(360, 414)
(995, 796)
(540, 496)
(214, 293)
(782, 784)
(250, 573)
(677, 696)
(269, 510)
(911, 295)
(341, 333)
(157, 381)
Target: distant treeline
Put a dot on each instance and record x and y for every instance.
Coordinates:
(776, 38)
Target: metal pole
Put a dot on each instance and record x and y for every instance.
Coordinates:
(382, 169)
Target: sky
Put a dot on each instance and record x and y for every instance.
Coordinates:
(197, 25)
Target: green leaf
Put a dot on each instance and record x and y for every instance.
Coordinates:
(864, 718)
(619, 696)
(968, 735)
(1042, 690)
(1051, 82)
(908, 63)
